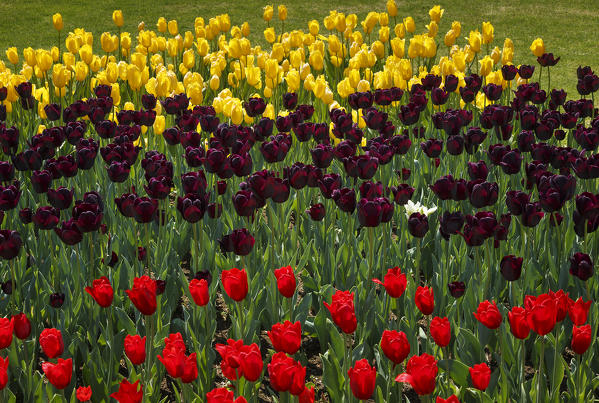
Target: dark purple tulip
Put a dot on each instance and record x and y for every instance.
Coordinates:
(148, 101)
(193, 206)
(432, 147)
(125, 204)
(118, 171)
(86, 154)
(409, 114)
(581, 266)
(526, 71)
(221, 187)
(531, 215)
(371, 190)
(69, 233)
(509, 72)
(366, 166)
(478, 170)
(159, 187)
(345, 199)
(444, 187)
(141, 253)
(439, 96)
(215, 210)
(511, 267)
(241, 164)
(281, 190)
(316, 212)
(511, 162)
(402, 193)
(194, 182)
(7, 287)
(67, 166)
(456, 288)
(418, 225)
(9, 196)
(516, 200)
(254, 106)
(10, 244)
(450, 223)
(41, 180)
(297, 174)
(328, 184)
(25, 215)
(263, 128)
(374, 119)
(482, 193)
(57, 299)
(195, 157)
(289, 100)
(52, 112)
(451, 83)
(322, 155)
(547, 60)
(245, 203)
(172, 136)
(7, 171)
(240, 242)
(344, 149)
(492, 91)
(87, 216)
(60, 198)
(370, 212)
(145, 209)
(455, 145)
(304, 131)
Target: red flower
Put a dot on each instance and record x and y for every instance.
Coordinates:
(480, 375)
(541, 313)
(128, 392)
(199, 291)
(235, 282)
(101, 291)
(59, 375)
(488, 314)
(143, 294)
(190, 370)
(561, 303)
(342, 311)
(440, 331)
(3, 372)
(518, 322)
(286, 281)
(307, 396)
(286, 374)
(581, 338)
(51, 342)
(6, 329)
(286, 337)
(395, 282)
(579, 311)
(425, 300)
(84, 393)
(240, 360)
(362, 379)
(22, 326)
(421, 373)
(135, 349)
(395, 346)
(177, 364)
(223, 395)
(450, 399)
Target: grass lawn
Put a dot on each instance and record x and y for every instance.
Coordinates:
(569, 28)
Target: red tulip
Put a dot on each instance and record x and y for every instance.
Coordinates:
(307, 396)
(223, 395)
(3, 372)
(22, 326)
(421, 373)
(101, 291)
(362, 379)
(541, 313)
(177, 364)
(240, 360)
(518, 322)
(561, 303)
(395, 282)
(199, 291)
(84, 393)
(342, 311)
(286, 337)
(59, 375)
(128, 392)
(286, 282)
(6, 330)
(395, 346)
(286, 374)
(51, 342)
(488, 314)
(581, 338)
(480, 375)
(450, 399)
(440, 331)
(135, 348)
(143, 294)
(190, 371)
(579, 311)
(235, 282)
(425, 300)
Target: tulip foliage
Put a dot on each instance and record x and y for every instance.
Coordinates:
(347, 213)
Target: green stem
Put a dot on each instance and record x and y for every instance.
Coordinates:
(370, 255)
(555, 358)
(540, 374)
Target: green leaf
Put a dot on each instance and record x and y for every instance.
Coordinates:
(457, 370)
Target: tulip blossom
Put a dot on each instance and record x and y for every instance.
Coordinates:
(362, 379)
(421, 373)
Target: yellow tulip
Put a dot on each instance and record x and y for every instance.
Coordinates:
(57, 22)
(125, 41)
(475, 40)
(107, 42)
(488, 31)
(134, 78)
(282, 12)
(496, 55)
(379, 49)
(457, 28)
(29, 56)
(400, 30)
(507, 43)
(340, 24)
(189, 58)
(398, 46)
(72, 44)
(459, 60)
(43, 59)
(436, 13)
(141, 26)
(316, 60)
(391, 8)
(383, 19)
(507, 56)
(486, 64)
(433, 28)
(214, 82)
(161, 25)
(384, 34)
(430, 47)
(245, 29)
(450, 38)
(68, 59)
(537, 47)
(59, 75)
(269, 35)
(409, 24)
(12, 55)
(81, 71)
(267, 13)
(117, 18)
(313, 27)
(159, 124)
(95, 64)
(173, 27)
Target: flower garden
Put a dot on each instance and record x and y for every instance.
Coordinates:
(357, 211)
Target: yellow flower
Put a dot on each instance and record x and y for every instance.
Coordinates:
(173, 27)
(316, 60)
(496, 55)
(60, 75)
(313, 27)
(269, 35)
(450, 38)
(57, 21)
(86, 53)
(214, 82)
(43, 59)
(12, 55)
(267, 13)
(436, 13)
(282, 12)
(398, 47)
(537, 47)
(487, 32)
(457, 28)
(107, 42)
(391, 8)
(245, 29)
(409, 24)
(68, 59)
(189, 58)
(433, 28)
(134, 77)
(117, 18)
(159, 124)
(384, 34)
(81, 71)
(507, 56)
(141, 26)
(474, 40)
(293, 80)
(486, 64)
(161, 25)
(400, 30)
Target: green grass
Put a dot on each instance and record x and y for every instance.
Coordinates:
(567, 27)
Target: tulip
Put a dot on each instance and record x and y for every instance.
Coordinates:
(316, 212)
(541, 313)
(239, 242)
(57, 299)
(518, 322)
(21, 326)
(51, 342)
(395, 346)
(135, 349)
(6, 331)
(143, 294)
(581, 338)
(286, 337)
(418, 225)
(456, 288)
(69, 232)
(83, 393)
(286, 374)
(421, 373)
(193, 206)
(581, 266)
(440, 331)
(128, 392)
(578, 311)
(480, 374)
(59, 374)
(199, 291)
(342, 311)
(362, 379)
(488, 314)
(395, 282)
(240, 360)
(235, 283)
(286, 282)
(101, 291)
(511, 267)
(425, 300)
(223, 395)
